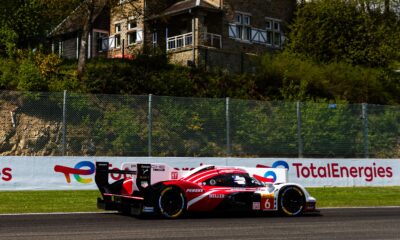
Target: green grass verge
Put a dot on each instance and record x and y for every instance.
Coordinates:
(85, 201)
(356, 197)
(48, 201)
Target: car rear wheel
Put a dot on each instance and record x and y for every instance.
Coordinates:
(171, 202)
(291, 201)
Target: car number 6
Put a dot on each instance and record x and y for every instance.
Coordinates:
(267, 204)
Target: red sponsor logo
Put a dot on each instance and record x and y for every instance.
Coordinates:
(174, 175)
(335, 170)
(5, 174)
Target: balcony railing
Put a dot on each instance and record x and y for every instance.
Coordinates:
(179, 41)
(213, 40)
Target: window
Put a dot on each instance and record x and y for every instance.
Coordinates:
(117, 27)
(132, 24)
(134, 34)
(246, 20)
(154, 38)
(242, 27)
(274, 34)
(132, 37)
(117, 41)
(277, 26)
(238, 18)
(268, 24)
(102, 41)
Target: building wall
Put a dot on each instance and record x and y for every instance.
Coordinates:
(216, 3)
(181, 57)
(128, 14)
(259, 11)
(236, 55)
(233, 56)
(216, 60)
(69, 48)
(212, 59)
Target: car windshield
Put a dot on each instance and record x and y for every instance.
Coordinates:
(234, 180)
(256, 183)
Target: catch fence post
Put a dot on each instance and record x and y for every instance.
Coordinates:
(64, 128)
(299, 126)
(228, 123)
(365, 128)
(150, 124)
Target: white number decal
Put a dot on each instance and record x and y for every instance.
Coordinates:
(267, 204)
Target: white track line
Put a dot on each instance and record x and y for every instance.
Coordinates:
(56, 213)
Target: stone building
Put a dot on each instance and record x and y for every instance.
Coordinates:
(220, 34)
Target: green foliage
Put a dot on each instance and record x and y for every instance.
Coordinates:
(121, 132)
(333, 130)
(8, 76)
(263, 128)
(154, 75)
(300, 79)
(29, 78)
(189, 127)
(8, 39)
(337, 30)
(384, 129)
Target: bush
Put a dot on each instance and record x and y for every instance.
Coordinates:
(29, 77)
(8, 76)
(300, 79)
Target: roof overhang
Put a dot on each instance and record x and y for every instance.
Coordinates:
(186, 6)
(73, 22)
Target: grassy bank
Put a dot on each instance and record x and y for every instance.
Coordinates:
(85, 201)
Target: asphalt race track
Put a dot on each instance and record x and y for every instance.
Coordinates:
(362, 223)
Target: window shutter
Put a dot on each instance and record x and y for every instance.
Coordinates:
(233, 31)
(254, 35)
(104, 44)
(263, 36)
(258, 35)
(111, 42)
(139, 36)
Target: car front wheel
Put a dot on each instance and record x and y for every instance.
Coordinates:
(291, 201)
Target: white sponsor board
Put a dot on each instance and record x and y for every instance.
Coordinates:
(74, 173)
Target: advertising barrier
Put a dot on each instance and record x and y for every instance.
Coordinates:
(77, 173)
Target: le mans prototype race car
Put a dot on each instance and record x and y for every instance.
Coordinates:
(162, 190)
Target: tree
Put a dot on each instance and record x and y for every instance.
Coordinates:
(338, 30)
(85, 14)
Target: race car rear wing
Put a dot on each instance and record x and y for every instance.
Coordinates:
(142, 175)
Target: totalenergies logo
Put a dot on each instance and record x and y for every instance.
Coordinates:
(270, 176)
(84, 168)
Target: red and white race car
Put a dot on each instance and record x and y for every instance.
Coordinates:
(161, 189)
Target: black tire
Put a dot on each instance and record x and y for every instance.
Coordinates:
(171, 202)
(291, 201)
(124, 208)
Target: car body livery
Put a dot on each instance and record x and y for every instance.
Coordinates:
(161, 189)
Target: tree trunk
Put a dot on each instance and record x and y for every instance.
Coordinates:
(86, 30)
(387, 7)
